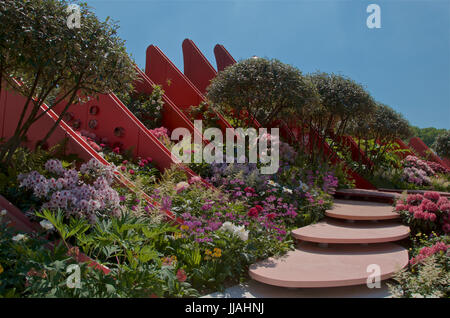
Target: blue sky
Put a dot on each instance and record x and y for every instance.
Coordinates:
(405, 64)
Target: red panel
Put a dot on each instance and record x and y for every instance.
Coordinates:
(176, 85)
(357, 154)
(447, 162)
(10, 107)
(196, 66)
(223, 58)
(172, 116)
(403, 146)
(422, 149)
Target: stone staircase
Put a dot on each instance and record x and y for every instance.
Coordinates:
(338, 250)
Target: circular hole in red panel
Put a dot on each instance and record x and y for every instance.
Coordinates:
(68, 117)
(76, 124)
(93, 110)
(119, 131)
(93, 124)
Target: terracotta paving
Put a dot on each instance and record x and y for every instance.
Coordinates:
(310, 265)
(361, 210)
(339, 250)
(371, 195)
(444, 194)
(360, 232)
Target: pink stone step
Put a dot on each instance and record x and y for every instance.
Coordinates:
(372, 195)
(361, 210)
(362, 232)
(338, 265)
(441, 193)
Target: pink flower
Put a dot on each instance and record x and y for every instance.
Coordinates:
(259, 208)
(271, 216)
(434, 196)
(432, 217)
(131, 171)
(181, 275)
(123, 168)
(116, 150)
(253, 212)
(401, 207)
(249, 189)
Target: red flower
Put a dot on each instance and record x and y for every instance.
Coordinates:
(181, 275)
(116, 150)
(259, 208)
(249, 189)
(271, 216)
(253, 212)
(131, 171)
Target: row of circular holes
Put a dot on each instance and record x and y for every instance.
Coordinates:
(93, 110)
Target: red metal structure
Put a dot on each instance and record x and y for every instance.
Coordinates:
(10, 109)
(422, 149)
(407, 151)
(107, 117)
(178, 88)
(223, 57)
(172, 117)
(196, 67)
(198, 63)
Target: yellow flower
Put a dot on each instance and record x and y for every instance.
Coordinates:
(208, 252)
(184, 227)
(217, 252)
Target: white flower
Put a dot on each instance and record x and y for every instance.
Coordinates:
(19, 237)
(287, 190)
(240, 232)
(416, 295)
(3, 212)
(227, 226)
(46, 225)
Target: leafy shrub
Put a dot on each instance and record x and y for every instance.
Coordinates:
(148, 108)
(89, 196)
(262, 89)
(426, 213)
(427, 275)
(442, 144)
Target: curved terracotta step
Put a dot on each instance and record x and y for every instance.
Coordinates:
(361, 210)
(362, 232)
(372, 195)
(441, 193)
(341, 265)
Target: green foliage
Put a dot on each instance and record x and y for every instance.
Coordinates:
(56, 64)
(148, 108)
(442, 144)
(24, 161)
(430, 278)
(429, 134)
(262, 89)
(127, 246)
(206, 114)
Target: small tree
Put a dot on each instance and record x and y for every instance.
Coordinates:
(342, 102)
(54, 63)
(442, 145)
(260, 88)
(382, 129)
